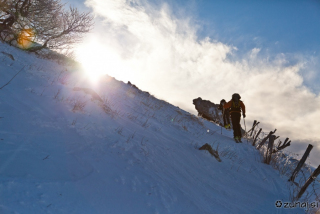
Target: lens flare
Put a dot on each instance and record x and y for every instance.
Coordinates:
(25, 38)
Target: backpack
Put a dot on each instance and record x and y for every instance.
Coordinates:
(235, 106)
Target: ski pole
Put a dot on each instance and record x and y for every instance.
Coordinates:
(222, 118)
(245, 128)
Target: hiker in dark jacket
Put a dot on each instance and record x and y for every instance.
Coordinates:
(236, 106)
(225, 114)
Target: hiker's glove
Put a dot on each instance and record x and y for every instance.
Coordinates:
(244, 115)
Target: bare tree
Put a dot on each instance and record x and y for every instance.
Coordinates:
(38, 24)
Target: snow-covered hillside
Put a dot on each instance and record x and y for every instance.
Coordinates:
(70, 146)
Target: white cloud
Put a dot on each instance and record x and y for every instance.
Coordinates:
(161, 54)
(254, 52)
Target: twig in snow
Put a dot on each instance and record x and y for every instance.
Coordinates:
(74, 122)
(8, 55)
(12, 78)
(46, 157)
(57, 94)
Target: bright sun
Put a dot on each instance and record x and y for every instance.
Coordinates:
(98, 60)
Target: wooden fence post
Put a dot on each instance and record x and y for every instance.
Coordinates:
(266, 138)
(255, 139)
(308, 182)
(270, 149)
(300, 164)
(281, 145)
(254, 123)
(252, 129)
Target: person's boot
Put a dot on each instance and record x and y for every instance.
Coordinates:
(236, 139)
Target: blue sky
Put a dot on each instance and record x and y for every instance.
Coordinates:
(282, 26)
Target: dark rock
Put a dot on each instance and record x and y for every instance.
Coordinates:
(207, 110)
(214, 153)
(132, 85)
(139, 91)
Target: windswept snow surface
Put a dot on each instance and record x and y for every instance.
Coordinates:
(70, 146)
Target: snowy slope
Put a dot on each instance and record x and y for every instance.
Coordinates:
(70, 146)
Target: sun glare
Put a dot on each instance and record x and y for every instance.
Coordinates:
(97, 61)
(25, 38)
